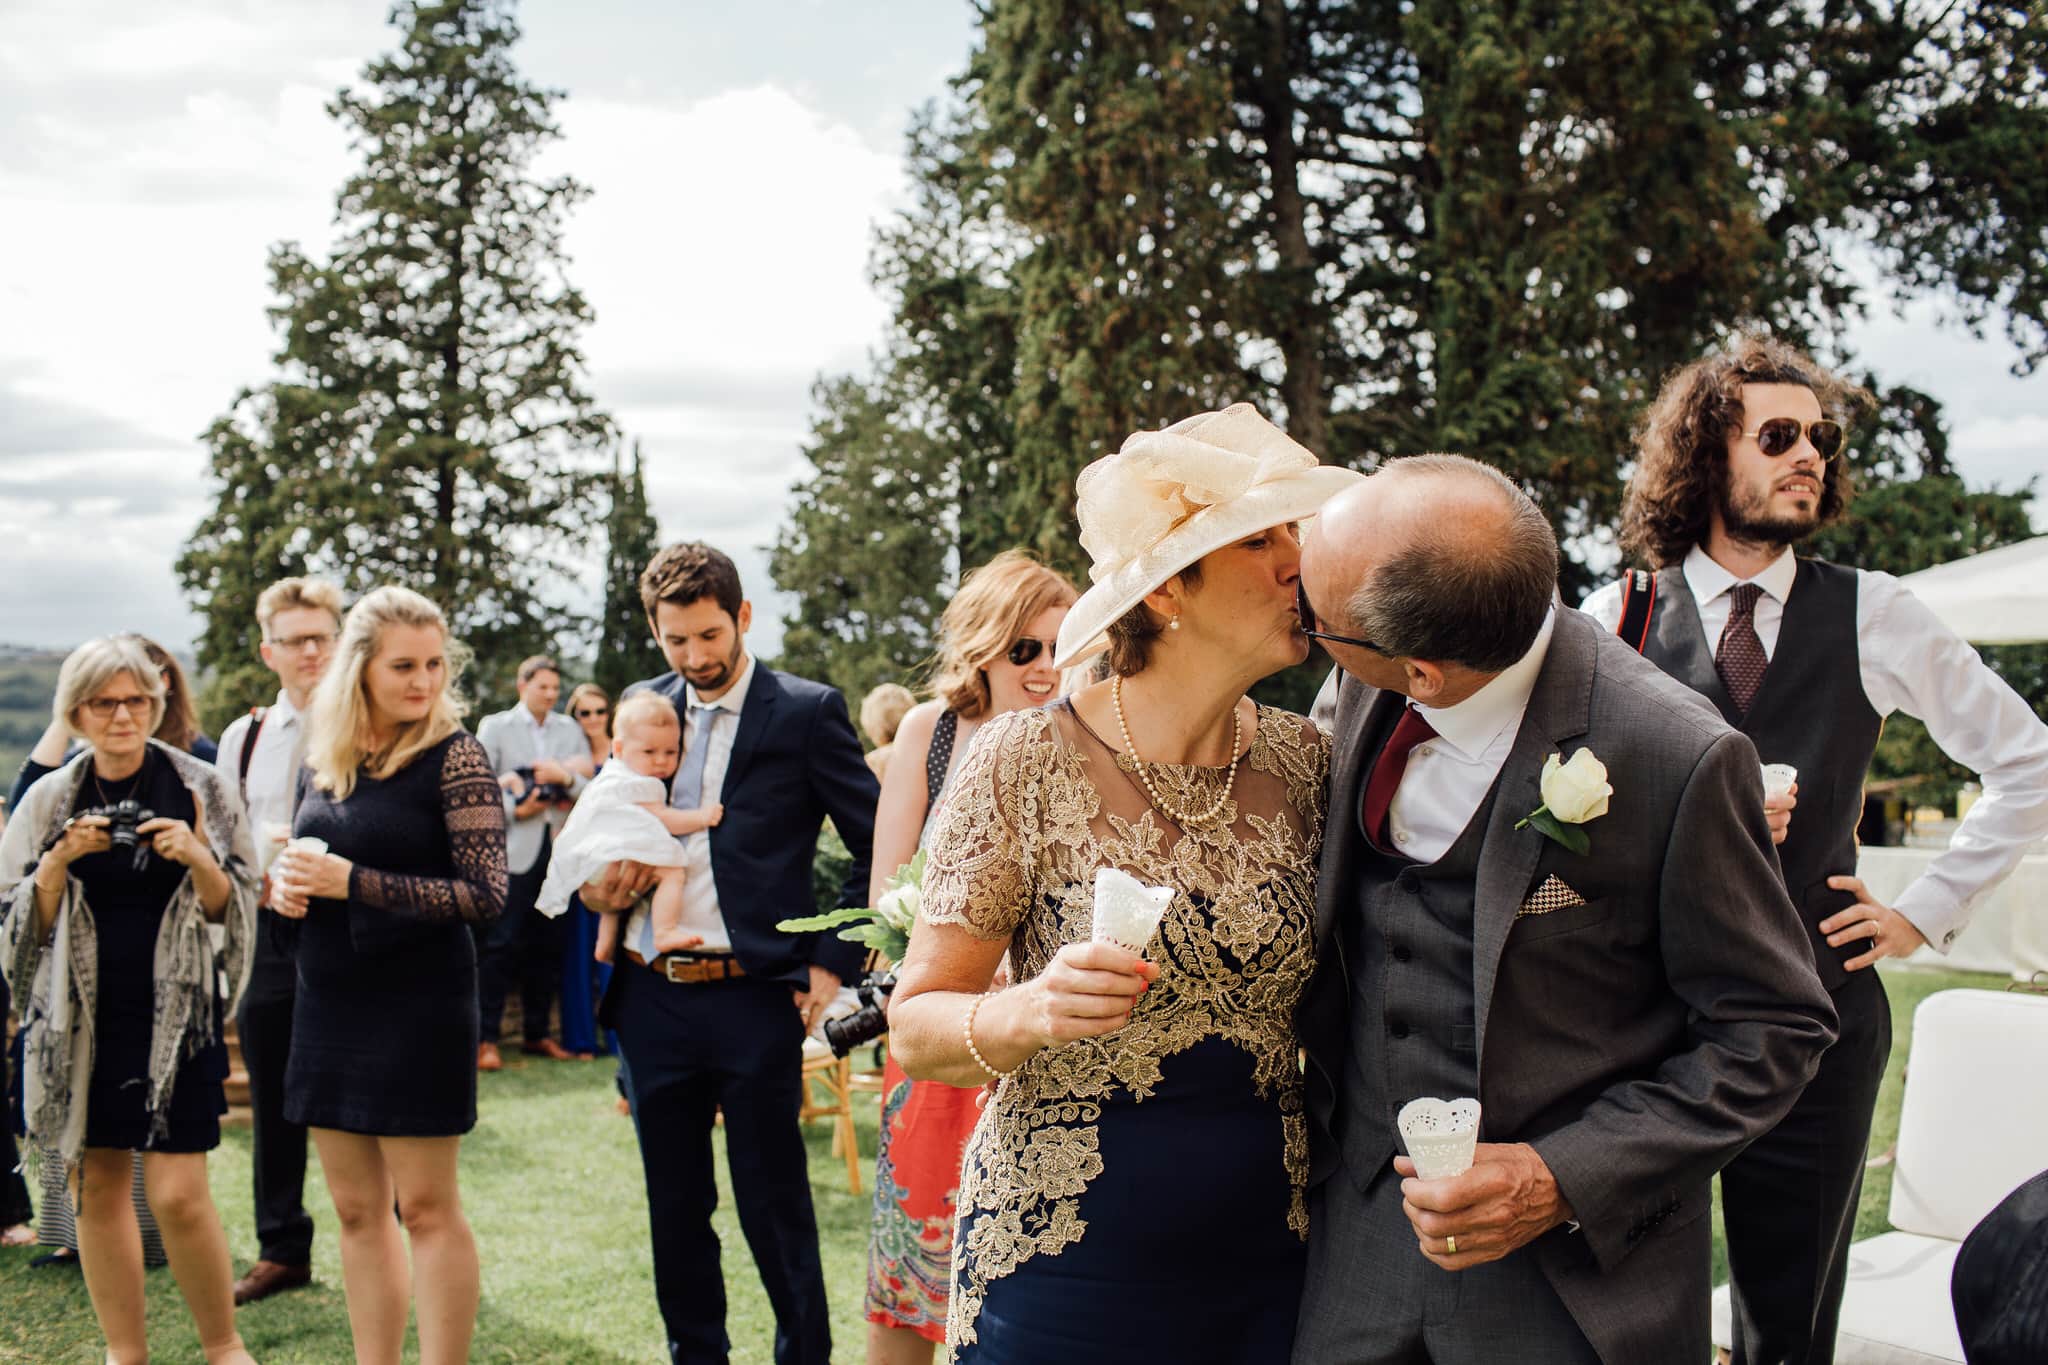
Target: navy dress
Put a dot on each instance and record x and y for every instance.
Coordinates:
(384, 1031)
(127, 913)
(1141, 1192)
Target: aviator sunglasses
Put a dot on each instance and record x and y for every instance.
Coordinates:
(1026, 651)
(1781, 434)
(1307, 614)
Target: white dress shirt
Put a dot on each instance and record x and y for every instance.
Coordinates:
(701, 915)
(1448, 777)
(515, 739)
(1909, 661)
(272, 788)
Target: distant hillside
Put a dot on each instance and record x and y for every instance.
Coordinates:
(28, 679)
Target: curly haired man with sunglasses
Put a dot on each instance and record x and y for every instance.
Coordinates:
(1739, 459)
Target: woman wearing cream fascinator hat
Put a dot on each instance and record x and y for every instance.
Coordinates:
(1139, 1177)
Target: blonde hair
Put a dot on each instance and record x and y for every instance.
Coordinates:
(643, 706)
(294, 594)
(339, 736)
(994, 605)
(96, 663)
(590, 690)
(882, 711)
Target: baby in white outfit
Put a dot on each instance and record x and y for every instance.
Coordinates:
(624, 815)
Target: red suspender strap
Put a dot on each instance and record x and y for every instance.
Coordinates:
(1638, 597)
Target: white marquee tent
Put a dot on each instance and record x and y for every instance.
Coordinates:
(1999, 597)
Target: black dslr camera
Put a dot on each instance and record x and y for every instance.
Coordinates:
(122, 819)
(867, 1023)
(552, 793)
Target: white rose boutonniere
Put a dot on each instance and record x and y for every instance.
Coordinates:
(1573, 793)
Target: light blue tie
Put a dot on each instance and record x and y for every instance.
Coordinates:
(689, 786)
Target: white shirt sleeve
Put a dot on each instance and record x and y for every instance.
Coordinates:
(1604, 605)
(227, 759)
(1913, 663)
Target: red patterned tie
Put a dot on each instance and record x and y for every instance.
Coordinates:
(1740, 659)
(1386, 772)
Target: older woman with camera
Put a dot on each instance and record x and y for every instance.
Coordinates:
(398, 848)
(110, 874)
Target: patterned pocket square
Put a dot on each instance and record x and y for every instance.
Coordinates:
(1552, 895)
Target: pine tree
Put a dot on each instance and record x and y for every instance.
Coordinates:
(626, 652)
(429, 424)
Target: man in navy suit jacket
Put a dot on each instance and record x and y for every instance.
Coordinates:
(721, 1026)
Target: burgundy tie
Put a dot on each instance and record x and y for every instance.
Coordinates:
(1386, 772)
(1740, 658)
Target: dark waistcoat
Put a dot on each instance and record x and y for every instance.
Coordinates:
(1413, 1022)
(1810, 712)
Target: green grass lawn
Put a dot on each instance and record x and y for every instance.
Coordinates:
(552, 1181)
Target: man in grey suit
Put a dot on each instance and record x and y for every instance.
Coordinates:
(1629, 1014)
(530, 747)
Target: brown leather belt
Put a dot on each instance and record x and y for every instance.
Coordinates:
(689, 971)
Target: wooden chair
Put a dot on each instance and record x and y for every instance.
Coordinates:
(828, 1093)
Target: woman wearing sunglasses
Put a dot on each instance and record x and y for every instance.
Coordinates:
(996, 655)
(583, 979)
(106, 935)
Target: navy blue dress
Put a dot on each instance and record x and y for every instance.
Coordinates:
(384, 1030)
(127, 913)
(1139, 1193)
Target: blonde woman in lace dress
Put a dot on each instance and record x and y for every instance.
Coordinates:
(1137, 1179)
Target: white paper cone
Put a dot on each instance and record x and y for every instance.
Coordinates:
(1778, 779)
(1126, 910)
(309, 844)
(275, 836)
(1440, 1135)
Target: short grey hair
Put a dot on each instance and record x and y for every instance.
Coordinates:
(94, 664)
(1436, 599)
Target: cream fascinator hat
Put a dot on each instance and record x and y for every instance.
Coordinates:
(1169, 497)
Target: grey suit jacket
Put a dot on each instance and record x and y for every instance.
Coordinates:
(509, 741)
(1638, 1041)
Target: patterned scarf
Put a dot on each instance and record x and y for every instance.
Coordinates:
(62, 972)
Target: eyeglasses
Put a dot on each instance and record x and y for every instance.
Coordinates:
(105, 707)
(1781, 434)
(319, 639)
(584, 713)
(1026, 651)
(1307, 614)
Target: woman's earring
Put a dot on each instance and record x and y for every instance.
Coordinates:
(1173, 623)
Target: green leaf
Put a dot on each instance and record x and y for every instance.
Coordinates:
(831, 919)
(1571, 836)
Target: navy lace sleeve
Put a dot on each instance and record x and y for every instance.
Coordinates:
(472, 808)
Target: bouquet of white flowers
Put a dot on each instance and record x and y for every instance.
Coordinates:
(884, 926)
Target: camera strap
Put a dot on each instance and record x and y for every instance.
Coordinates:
(257, 715)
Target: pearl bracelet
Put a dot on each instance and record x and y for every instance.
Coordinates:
(967, 1032)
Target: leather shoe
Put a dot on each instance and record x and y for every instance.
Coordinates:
(548, 1048)
(268, 1277)
(487, 1058)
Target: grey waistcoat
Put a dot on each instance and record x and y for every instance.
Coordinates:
(1413, 1029)
(1810, 712)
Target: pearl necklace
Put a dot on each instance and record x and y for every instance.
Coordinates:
(1116, 697)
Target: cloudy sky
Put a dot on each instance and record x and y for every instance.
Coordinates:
(739, 155)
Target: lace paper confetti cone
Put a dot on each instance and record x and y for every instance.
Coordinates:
(1778, 779)
(1439, 1135)
(1127, 910)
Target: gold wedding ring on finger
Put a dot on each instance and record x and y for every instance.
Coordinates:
(1450, 1245)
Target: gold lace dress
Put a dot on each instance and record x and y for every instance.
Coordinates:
(1141, 1190)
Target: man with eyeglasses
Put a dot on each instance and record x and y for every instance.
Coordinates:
(1740, 459)
(261, 753)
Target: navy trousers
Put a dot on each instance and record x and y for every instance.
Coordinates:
(695, 1049)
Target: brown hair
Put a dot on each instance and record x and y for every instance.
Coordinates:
(292, 594)
(882, 711)
(180, 723)
(538, 663)
(1681, 471)
(1132, 635)
(1436, 599)
(688, 571)
(994, 605)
